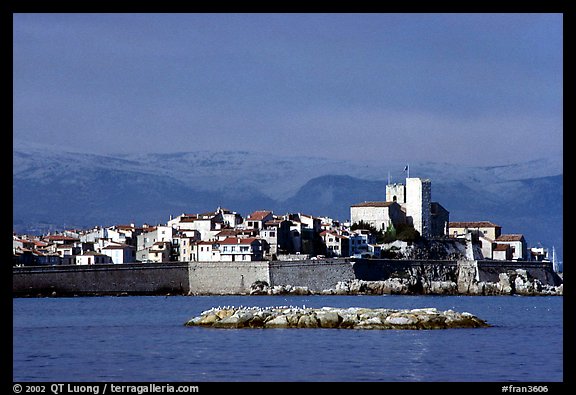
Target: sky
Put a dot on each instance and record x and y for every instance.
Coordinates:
(477, 89)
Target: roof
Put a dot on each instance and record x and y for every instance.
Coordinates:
(332, 233)
(91, 253)
(188, 219)
(274, 222)
(61, 238)
(259, 215)
(239, 241)
(117, 246)
(510, 237)
(373, 204)
(473, 224)
(501, 247)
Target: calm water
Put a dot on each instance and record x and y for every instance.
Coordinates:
(143, 339)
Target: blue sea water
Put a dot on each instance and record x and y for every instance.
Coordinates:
(143, 339)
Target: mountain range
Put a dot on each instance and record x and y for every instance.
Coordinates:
(54, 189)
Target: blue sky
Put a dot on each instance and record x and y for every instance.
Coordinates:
(480, 89)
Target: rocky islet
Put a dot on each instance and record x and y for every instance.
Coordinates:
(333, 317)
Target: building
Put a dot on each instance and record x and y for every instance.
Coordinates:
(270, 234)
(206, 251)
(517, 243)
(502, 252)
(231, 249)
(483, 228)
(289, 237)
(207, 224)
(257, 219)
(377, 214)
(91, 258)
(418, 205)
(120, 253)
(336, 244)
(359, 243)
(440, 218)
(159, 252)
(409, 203)
(235, 249)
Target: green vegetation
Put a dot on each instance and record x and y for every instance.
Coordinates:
(403, 232)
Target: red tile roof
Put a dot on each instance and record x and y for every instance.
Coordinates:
(61, 238)
(473, 224)
(238, 241)
(501, 247)
(259, 215)
(373, 204)
(510, 237)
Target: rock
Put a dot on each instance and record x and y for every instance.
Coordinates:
(280, 321)
(308, 321)
(401, 319)
(329, 319)
(369, 323)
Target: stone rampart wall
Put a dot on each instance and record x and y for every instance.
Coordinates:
(226, 277)
(101, 279)
(463, 277)
(316, 275)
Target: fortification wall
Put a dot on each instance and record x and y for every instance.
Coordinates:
(101, 279)
(221, 278)
(316, 275)
(383, 269)
(226, 277)
(489, 271)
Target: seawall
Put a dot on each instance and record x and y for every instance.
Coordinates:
(130, 279)
(233, 278)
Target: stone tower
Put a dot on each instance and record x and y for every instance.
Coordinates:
(396, 193)
(418, 201)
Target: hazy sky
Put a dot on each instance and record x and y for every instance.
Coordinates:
(462, 88)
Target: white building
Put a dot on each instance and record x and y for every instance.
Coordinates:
(91, 258)
(206, 251)
(120, 253)
(235, 249)
(377, 214)
(517, 243)
(257, 219)
(359, 241)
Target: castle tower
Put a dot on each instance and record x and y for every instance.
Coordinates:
(418, 202)
(396, 193)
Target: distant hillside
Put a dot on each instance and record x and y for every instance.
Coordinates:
(54, 189)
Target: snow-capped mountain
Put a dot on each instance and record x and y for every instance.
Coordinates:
(54, 189)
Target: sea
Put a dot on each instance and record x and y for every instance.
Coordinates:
(144, 339)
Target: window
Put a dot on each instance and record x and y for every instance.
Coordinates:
(225, 249)
(233, 248)
(272, 234)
